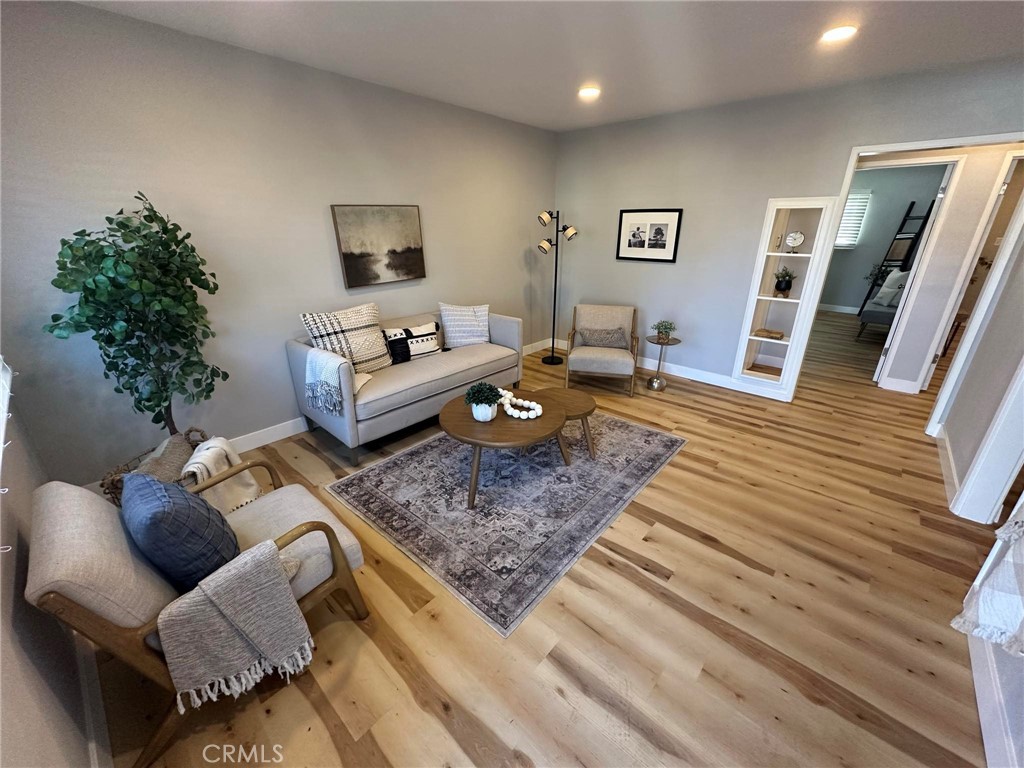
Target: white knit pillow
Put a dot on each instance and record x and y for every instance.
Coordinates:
(355, 334)
(464, 326)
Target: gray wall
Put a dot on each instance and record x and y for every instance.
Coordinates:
(999, 352)
(247, 152)
(722, 165)
(892, 189)
(42, 722)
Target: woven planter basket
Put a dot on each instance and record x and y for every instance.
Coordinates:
(164, 462)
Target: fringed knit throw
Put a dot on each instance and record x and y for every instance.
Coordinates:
(240, 624)
(323, 381)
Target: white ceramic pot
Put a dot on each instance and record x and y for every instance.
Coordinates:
(484, 412)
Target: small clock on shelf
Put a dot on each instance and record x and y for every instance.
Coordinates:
(794, 240)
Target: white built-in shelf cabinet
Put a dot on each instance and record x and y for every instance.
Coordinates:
(774, 365)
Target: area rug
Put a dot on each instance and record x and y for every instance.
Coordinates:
(534, 516)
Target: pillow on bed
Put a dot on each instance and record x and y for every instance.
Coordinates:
(891, 292)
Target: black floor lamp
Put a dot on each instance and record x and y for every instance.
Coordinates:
(546, 246)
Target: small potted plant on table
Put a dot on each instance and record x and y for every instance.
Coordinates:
(483, 398)
(664, 329)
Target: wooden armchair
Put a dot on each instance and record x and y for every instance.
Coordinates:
(593, 360)
(86, 571)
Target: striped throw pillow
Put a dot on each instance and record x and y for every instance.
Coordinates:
(355, 334)
(407, 344)
(464, 326)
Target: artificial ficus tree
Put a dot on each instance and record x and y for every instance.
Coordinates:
(138, 284)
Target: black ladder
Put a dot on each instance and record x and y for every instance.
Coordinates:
(903, 248)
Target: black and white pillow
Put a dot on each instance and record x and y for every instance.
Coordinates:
(352, 333)
(407, 344)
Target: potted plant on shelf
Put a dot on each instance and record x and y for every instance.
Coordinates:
(664, 329)
(483, 398)
(784, 278)
(138, 284)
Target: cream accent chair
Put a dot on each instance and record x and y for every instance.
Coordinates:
(85, 570)
(603, 361)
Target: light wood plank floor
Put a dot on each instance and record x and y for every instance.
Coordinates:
(779, 595)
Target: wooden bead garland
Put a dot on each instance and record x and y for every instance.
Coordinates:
(518, 408)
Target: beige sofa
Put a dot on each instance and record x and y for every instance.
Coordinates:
(405, 394)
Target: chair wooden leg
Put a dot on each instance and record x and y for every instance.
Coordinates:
(632, 383)
(351, 589)
(862, 327)
(566, 374)
(162, 738)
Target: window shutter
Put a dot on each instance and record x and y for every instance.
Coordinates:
(853, 218)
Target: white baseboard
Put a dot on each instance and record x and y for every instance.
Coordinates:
(949, 475)
(714, 379)
(260, 437)
(839, 308)
(92, 703)
(543, 344)
(995, 687)
(900, 385)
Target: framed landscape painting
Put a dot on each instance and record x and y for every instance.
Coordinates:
(379, 243)
(648, 234)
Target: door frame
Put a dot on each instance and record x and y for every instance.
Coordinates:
(977, 243)
(998, 460)
(867, 150)
(947, 188)
(1013, 241)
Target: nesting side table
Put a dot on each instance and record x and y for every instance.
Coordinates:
(656, 383)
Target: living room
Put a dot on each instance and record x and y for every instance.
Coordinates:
(739, 554)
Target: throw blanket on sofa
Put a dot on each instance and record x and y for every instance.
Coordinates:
(994, 608)
(323, 381)
(211, 458)
(239, 624)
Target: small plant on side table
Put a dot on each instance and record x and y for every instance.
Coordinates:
(483, 398)
(664, 329)
(784, 278)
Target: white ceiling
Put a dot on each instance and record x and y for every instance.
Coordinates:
(525, 60)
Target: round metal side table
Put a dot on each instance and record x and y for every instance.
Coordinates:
(656, 383)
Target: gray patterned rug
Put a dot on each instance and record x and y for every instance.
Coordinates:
(534, 516)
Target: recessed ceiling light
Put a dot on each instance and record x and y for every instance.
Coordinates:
(838, 33)
(866, 154)
(589, 93)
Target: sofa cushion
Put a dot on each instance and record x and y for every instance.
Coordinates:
(277, 513)
(465, 326)
(354, 333)
(179, 532)
(601, 360)
(81, 550)
(411, 342)
(417, 379)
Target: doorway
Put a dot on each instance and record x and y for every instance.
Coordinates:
(885, 226)
(1008, 198)
(930, 295)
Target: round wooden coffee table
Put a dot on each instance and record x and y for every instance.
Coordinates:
(578, 405)
(503, 431)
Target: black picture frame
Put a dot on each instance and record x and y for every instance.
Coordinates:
(394, 235)
(653, 230)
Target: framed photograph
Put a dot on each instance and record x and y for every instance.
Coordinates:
(649, 234)
(379, 243)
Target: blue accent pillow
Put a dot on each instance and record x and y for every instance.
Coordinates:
(178, 531)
